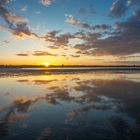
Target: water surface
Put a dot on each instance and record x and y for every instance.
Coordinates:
(95, 105)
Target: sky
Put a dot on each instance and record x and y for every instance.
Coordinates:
(70, 32)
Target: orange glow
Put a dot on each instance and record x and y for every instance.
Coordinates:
(46, 64)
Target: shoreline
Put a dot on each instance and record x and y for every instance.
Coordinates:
(64, 70)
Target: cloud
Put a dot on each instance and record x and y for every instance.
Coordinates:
(59, 40)
(38, 12)
(1, 27)
(22, 29)
(43, 53)
(3, 2)
(133, 2)
(46, 2)
(8, 16)
(73, 21)
(6, 41)
(22, 54)
(24, 8)
(75, 56)
(137, 13)
(13, 18)
(52, 47)
(83, 47)
(124, 39)
(16, 24)
(97, 40)
(119, 7)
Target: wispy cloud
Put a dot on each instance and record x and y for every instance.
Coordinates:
(46, 2)
(24, 8)
(43, 53)
(73, 21)
(22, 54)
(75, 56)
(14, 18)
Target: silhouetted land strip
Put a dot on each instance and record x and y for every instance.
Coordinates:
(68, 66)
(17, 70)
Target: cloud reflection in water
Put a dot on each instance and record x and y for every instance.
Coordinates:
(108, 102)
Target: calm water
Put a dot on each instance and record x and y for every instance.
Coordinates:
(71, 106)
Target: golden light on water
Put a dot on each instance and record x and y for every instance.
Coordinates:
(46, 64)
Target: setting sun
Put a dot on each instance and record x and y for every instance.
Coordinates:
(46, 64)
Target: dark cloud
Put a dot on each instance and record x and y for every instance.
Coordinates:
(37, 53)
(52, 47)
(133, 2)
(75, 56)
(58, 40)
(43, 53)
(123, 40)
(137, 13)
(126, 38)
(3, 2)
(118, 8)
(22, 30)
(83, 47)
(63, 40)
(23, 80)
(22, 54)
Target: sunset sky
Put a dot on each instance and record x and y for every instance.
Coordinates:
(70, 32)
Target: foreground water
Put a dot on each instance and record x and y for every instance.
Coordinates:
(70, 106)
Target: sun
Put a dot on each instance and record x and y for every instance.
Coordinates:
(46, 64)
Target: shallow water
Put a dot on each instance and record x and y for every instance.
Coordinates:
(71, 106)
